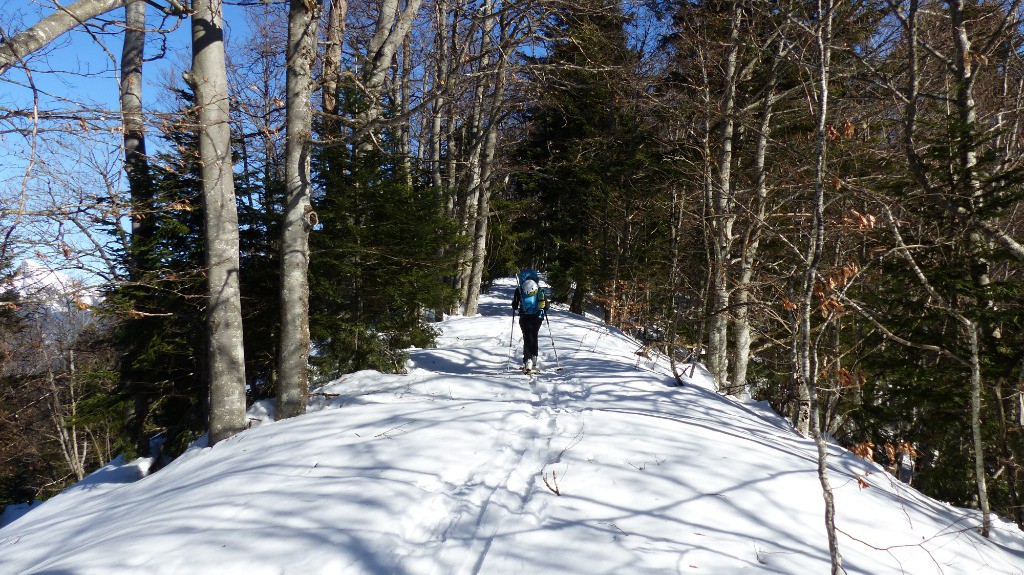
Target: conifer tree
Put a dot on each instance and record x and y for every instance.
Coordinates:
(584, 148)
(162, 328)
(378, 256)
(161, 314)
(19, 478)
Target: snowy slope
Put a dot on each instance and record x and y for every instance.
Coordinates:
(442, 471)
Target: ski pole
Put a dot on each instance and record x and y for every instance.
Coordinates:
(558, 366)
(508, 363)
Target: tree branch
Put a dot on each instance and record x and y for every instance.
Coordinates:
(50, 28)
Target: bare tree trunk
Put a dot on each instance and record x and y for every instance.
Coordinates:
(807, 352)
(485, 118)
(468, 205)
(1010, 456)
(332, 55)
(293, 361)
(979, 446)
(63, 414)
(455, 145)
(968, 159)
(743, 293)
(480, 225)
(224, 309)
(470, 188)
(403, 91)
(441, 78)
(486, 177)
(140, 185)
(708, 210)
(723, 218)
(136, 163)
(392, 27)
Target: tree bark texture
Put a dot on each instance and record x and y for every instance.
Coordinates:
(224, 311)
(807, 352)
(477, 201)
(293, 358)
(722, 216)
(744, 292)
(969, 181)
(392, 26)
(441, 79)
(480, 226)
(332, 55)
(140, 185)
(136, 163)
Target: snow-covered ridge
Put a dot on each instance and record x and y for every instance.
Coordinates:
(463, 467)
(36, 283)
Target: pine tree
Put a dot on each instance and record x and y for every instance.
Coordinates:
(585, 147)
(375, 265)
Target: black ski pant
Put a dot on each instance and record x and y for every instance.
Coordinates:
(530, 324)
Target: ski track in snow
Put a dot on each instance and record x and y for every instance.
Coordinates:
(442, 471)
(455, 526)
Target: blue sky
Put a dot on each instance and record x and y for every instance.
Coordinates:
(82, 66)
(77, 72)
(80, 70)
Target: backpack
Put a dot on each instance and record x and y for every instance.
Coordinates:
(528, 274)
(530, 297)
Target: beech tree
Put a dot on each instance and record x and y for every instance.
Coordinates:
(838, 238)
(299, 218)
(15, 50)
(208, 77)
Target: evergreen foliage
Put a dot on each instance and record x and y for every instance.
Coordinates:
(639, 180)
(376, 263)
(509, 238)
(163, 328)
(586, 153)
(378, 257)
(163, 331)
(260, 200)
(20, 471)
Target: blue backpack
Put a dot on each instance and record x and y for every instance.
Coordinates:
(529, 303)
(528, 274)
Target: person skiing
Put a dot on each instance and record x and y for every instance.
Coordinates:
(532, 305)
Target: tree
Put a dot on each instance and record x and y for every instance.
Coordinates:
(58, 420)
(585, 145)
(805, 350)
(159, 316)
(376, 262)
(208, 77)
(299, 217)
(975, 186)
(14, 51)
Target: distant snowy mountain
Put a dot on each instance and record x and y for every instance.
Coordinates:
(36, 283)
(464, 467)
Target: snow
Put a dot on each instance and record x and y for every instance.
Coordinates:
(443, 470)
(35, 282)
